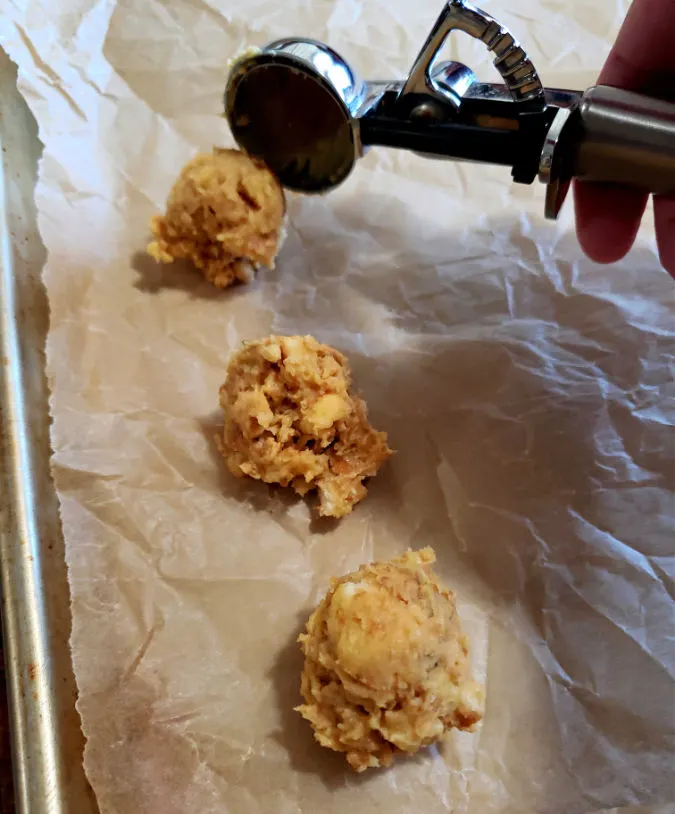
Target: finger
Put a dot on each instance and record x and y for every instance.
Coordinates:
(643, 49)
(608, 219)
(664, 220)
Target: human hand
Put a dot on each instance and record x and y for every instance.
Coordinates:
(643, 60)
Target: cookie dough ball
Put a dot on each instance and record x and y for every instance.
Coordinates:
(225, 214)
(387, 665)
(291, 419)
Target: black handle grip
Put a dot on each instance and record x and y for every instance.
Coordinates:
(451, 140)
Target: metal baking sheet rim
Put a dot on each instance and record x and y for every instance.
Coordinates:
(47, 742)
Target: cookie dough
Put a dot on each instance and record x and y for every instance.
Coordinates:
(290, 418)
(387, 666)
(225, 214)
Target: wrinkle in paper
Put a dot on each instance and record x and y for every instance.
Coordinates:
(528, 394)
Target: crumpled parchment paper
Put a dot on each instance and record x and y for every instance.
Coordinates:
(527, 391)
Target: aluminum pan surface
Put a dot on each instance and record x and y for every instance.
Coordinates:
(47, 741)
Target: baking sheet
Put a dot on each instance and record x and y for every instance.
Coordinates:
(47, 742)
(526, 390)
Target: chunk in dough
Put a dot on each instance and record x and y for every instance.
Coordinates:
(387, 666)
(225, 214)
(291, 419)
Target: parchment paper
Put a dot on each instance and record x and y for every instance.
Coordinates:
(528, 394)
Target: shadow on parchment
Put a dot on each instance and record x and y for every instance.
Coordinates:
(295, 734)
(181, 275)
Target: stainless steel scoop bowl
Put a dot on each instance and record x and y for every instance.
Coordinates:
(296, 104)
